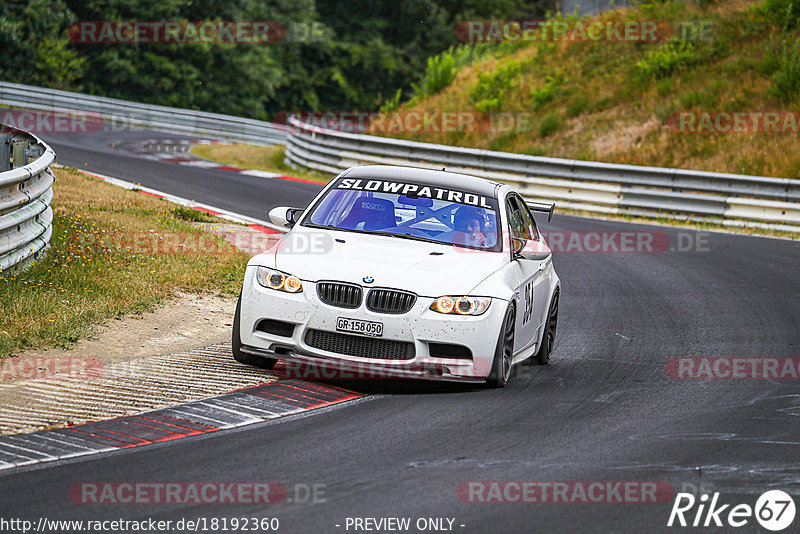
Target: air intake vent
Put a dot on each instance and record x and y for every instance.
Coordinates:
(278, 328)
(390, 301)
(339, 294)
(448, 350)
(360, 346)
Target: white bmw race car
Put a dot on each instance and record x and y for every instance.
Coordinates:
(407, 272)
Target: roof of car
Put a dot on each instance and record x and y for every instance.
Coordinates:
(441, 179)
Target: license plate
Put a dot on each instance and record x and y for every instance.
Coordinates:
(357, 326)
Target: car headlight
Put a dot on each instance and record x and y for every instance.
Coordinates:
(279, 281)
(461, 305)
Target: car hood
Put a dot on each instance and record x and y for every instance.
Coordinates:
(427, 269)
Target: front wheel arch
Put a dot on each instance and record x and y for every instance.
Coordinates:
(504, 351)
(236, 343)
(547, 339)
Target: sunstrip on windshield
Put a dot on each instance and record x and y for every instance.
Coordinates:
(414, 191)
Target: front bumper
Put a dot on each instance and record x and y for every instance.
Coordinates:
(419, 327)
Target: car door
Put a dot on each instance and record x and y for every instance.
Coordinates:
(528, 275)
(542, 282)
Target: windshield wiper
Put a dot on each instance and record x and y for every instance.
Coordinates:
(407, 236)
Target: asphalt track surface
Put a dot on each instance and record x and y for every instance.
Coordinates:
(248, 195)
(605, 409)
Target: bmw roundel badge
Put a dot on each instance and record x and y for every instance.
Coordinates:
(368, 279)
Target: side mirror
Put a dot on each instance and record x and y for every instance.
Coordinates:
(285, 217)
(538, 255)
(540, 251)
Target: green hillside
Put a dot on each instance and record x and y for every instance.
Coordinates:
(718, 90)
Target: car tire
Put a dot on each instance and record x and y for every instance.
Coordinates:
(504, 353)
(542, 357)
(236, 344)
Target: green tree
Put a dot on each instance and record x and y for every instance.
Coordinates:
(35, 47)
(367, 51)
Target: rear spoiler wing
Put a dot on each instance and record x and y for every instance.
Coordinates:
(545, 207)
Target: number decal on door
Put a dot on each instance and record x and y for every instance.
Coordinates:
(526, 315)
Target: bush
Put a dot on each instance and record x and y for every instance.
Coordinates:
(442, 69)
(546, 94)
(439, 73)
(786, 79)
(469, 54)
(667, 59)
(550, 123)
(393, 103)
(490, 90)
(577, 106)
(785, 13)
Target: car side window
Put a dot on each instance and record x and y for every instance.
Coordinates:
(518, 220)
(528, 218)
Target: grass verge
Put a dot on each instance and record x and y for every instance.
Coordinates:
(113, 252)
(263, 158)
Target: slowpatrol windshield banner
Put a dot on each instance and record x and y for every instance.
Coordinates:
(412, 190)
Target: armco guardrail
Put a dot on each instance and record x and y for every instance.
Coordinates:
(583, 185)
(26, 218)
(123, 114)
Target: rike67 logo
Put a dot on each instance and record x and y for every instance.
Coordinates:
(774, 510)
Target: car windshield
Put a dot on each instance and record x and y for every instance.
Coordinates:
(410, 211)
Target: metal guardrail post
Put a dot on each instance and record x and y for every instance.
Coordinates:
(5, 152)
(32, 152)
(26, 218)
(18, 147)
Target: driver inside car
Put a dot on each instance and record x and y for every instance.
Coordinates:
(470, 221)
